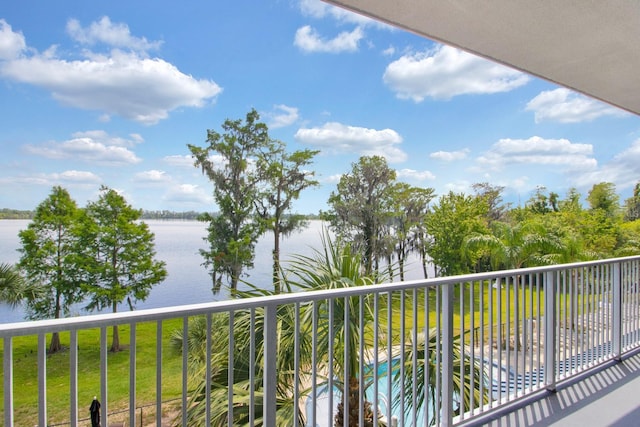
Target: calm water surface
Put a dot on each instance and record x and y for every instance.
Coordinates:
(178, 244)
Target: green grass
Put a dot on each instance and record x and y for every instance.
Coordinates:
(531, 304)
(503, 299)
(25, 374)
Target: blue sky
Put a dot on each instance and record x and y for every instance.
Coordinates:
(110, 93)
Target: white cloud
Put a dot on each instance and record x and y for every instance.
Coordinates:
(87, 149)
(565, 106)
(340, 138)
(450, 156)
(112, 34)
(127, 84)
(282, 117)
(389, 51)
(152, 177)
(178, 160)
(308, 40)
(77, 177)
(536, 150)
(519, 183)
(187, 193)
(105, 138)
(333, 179)
(416, 175)
(318, 9)
(459, 186)
(188, 162)
(621, 170)
(72, 178)
(447, 72)
(12, 44)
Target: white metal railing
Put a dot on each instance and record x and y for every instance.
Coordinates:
(440, 351)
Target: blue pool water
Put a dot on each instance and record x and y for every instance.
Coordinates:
(325, 416)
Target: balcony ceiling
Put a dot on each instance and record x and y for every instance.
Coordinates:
(590, 46)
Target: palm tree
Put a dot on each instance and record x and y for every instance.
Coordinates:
(243, 364)
(332, 268)
(426, 376)
(13, 288)
(514, 246)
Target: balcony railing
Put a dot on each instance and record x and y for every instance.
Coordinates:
(441, 351)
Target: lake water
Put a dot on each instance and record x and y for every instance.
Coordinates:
(178, 244)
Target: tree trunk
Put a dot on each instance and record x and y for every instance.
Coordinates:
(55, 345)
(353, 419)
(423, 259)
(276, 261)
(115, 344)
(236, 269)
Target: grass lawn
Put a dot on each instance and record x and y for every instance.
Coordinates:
(530, 302)
(25, 374)
(502, 301)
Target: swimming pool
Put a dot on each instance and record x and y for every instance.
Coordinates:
(325, 416)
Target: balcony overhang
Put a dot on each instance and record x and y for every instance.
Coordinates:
(592, 47)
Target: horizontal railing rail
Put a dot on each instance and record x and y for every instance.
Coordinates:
(437, 351)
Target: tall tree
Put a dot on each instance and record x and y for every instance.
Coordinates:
(492, 195)
(455, 217)
(283, 177)
(49, 248)
(539, 203)
(603, 196)
(234, 231)
(410, 207)
(632, 205)
(571, 202)
(362, 205)
(118, 255)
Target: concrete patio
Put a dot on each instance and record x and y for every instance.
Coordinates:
(610, 397)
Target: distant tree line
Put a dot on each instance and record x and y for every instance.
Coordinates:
(166, 214)
(146, 214)
(6, 213)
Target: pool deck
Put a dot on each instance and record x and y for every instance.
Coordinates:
(610, 397)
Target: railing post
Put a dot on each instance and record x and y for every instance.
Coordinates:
(73, 378)
(132, 374)
(270, 377)
(616, 316)
(230, 367)
(103, 377)
(159, 372)
(447, 355)
(8, 380)
(550, 330)
(42, 379)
